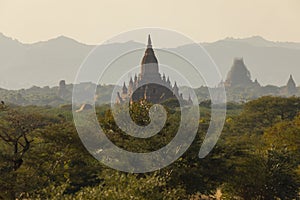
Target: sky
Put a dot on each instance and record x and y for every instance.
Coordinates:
(94, 21)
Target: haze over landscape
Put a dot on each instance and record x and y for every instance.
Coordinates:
(45, 41)
(45, 63)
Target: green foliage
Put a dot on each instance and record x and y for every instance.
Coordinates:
(257, 156)
(264, 165)
(262, 113)
(130, 186)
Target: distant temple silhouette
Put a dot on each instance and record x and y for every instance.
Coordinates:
(239, 77)
(149, 85)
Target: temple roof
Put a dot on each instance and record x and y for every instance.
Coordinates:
(149, 56)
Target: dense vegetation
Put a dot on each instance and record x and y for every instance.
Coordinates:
(257, 156)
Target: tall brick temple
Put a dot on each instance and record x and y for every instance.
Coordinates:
(149, 85)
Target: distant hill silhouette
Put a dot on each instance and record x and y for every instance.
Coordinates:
(45, 63)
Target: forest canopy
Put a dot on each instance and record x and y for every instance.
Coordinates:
(257, 156)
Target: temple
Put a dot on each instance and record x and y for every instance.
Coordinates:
(149, 85)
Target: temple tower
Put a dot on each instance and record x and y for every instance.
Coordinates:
(291, 86)
(149, 65)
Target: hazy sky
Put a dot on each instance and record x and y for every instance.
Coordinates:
(92, 21)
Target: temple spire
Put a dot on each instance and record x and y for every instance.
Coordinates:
(124, 89)
(291, 82)
(149, 64)
(149, 42)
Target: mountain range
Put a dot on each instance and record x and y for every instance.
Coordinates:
(45, 63)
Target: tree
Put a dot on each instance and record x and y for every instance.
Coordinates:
(15, 133)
